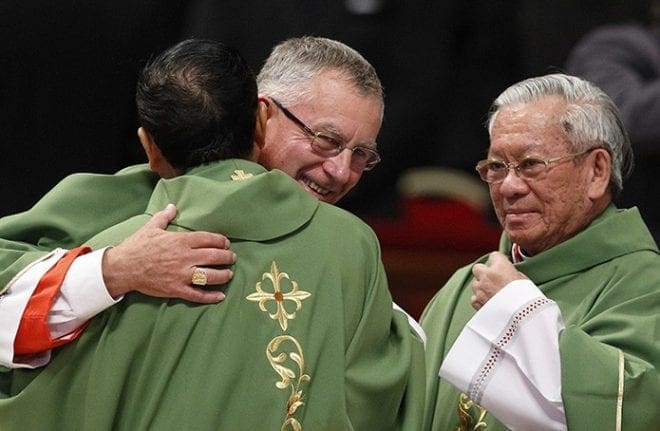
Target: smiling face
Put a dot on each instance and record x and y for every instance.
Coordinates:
(336, 109)
(541, 213)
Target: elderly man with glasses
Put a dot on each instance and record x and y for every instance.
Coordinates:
(559, 328)
(326, 146)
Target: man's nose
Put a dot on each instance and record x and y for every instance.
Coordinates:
(512, 182)
(339, 166)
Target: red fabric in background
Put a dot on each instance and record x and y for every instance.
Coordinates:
(438, 223)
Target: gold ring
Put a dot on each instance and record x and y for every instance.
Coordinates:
(199, 277)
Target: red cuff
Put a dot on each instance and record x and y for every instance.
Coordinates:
(33, 334)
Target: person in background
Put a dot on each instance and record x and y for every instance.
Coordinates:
(558, 328)
(299, 345)
(624, 60)
(324, 107)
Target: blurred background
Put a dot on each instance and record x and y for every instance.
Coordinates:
(68, 70)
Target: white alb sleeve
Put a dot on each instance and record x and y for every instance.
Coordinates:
(507, 360)
(12, 305)
(83, 295)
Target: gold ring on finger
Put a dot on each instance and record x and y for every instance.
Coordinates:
(199, 277)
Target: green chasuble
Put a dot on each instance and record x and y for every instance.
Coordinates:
(306, 338)
(606, 282)
(80, 206)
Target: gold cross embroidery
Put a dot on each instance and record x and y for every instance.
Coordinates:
(295, 295)
(240, 175)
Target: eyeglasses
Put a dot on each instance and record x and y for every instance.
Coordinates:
(495, 171)
(364, 159)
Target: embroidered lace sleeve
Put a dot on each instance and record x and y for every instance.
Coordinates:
(507, 359)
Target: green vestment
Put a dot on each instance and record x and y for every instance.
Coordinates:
(606, 282)
(80, 206)
(306, 338)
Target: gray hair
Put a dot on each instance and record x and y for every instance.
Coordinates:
(591, 117)
(294, 63)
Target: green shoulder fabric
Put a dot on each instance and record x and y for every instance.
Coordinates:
(80, 206)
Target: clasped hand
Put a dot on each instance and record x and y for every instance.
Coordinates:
(491, 277)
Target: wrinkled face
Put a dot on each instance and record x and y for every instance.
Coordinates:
(336, 109)
(540, 213)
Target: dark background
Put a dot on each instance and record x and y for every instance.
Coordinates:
(68, 70)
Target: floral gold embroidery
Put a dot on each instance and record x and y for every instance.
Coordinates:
(290, 378)
(291, 424)
(289, 364)
(294, 295)
(240, 175)
(465, 409)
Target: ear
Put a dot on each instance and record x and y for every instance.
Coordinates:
(154, 155)
(262, 118)
(157, 162)
(600, 173)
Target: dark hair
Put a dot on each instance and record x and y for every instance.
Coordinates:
(198, 100)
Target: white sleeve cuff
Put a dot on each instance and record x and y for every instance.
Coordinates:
(12, 305)
(507, 359)
(82, 296)
(475, 340)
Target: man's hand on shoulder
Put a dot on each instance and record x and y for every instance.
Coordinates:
(159, 263)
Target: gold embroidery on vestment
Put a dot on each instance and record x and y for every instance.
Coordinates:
(283, 362)
(291, 424)
(465, 409)
(240, 175)
(290, 378)
(294, 295)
